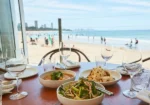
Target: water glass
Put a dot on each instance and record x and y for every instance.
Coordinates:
(141, 80)
(48, 64)
(132, 68)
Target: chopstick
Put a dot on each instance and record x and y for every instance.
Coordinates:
(105, 91)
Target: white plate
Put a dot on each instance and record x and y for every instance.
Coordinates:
(8, 86)
(116, 75)
(27, 73)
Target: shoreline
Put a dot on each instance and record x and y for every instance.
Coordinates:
(35, 52)
(118, 42)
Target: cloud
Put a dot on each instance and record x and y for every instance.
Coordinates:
(57, 4)
(133, 2)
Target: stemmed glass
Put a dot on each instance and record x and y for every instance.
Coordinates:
(63, 53)
(15, 67)
(107, 53)
(132, 68)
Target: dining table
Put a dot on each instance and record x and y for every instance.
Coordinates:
(40, 95)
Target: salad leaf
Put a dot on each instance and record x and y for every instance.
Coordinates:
(56, 75)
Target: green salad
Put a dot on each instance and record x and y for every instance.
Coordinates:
(56, 75)
(80, 90)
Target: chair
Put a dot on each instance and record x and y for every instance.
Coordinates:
(76, 51)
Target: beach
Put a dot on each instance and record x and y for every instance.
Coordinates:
(35, 52)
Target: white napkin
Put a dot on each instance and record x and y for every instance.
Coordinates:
(71, 64)
(144, 96)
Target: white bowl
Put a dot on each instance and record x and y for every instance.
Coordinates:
(66, 101)
(55, 83)
(116, 75)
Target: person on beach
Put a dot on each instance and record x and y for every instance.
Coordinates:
(130, 44)
(104, 40)
(136, 42)
(101, 40)
(52, 41)
(68, 37)
(46, 41)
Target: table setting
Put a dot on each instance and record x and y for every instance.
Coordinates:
(88, 83)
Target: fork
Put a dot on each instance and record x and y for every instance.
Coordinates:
(105, 91)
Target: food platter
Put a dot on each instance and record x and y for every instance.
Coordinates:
(116, 75)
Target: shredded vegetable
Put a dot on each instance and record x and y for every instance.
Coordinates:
(80, 90)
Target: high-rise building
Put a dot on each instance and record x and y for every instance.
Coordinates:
(26, 25)
(36, 24)
(44, 25)
(52, 25)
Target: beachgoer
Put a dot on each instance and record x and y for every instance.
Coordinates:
(136, 42)
(105, 40)
(101, 40)
(31, 39)
(52, 41)
(46, 41)
(130, 44)
(68, 37)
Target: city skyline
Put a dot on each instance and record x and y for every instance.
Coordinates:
(95, 14)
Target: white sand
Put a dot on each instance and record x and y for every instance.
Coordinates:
(35, 52)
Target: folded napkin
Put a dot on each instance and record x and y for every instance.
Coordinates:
(144, 95)
(71, 64)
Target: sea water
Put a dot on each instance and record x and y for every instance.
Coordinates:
(118, 38)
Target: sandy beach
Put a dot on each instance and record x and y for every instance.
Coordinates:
(35, 52)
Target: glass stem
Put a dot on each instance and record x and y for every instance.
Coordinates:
(105, 63)
(17, 84)
(131, 87)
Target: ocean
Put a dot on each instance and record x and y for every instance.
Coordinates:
(117, 38)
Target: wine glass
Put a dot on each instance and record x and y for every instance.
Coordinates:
(98, 61)
(64, 53)
(15, 67)
(132, 68)
(107, 53)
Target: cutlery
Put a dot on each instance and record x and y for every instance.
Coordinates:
(61, 65)
(70, 62)
(105, 91)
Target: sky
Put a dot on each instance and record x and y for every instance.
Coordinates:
(90, 14)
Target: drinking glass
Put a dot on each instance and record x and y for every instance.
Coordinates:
(48, 64)
(132, 68)
(141, 80)
(63, 53)
(98, 61)
(15, 67)
(107, 53)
